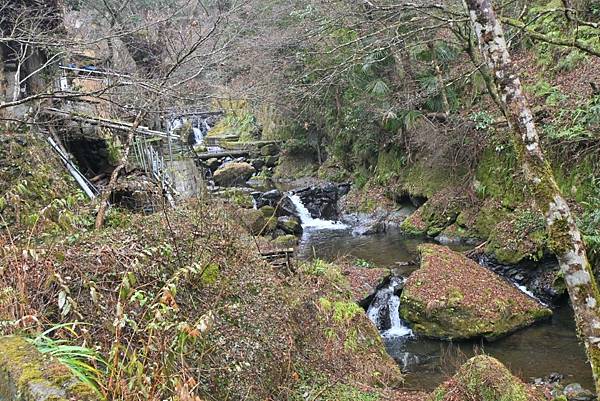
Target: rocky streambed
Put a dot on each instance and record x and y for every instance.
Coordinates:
(431, 320)
(548, 348)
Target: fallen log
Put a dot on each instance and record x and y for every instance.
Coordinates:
(223, 153)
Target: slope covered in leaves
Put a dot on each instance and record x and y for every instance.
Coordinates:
(180, 302)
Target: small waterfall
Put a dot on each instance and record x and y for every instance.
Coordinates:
(308, 221)
(528, 292)
(199, 125)
(198, 137)
(384, 310)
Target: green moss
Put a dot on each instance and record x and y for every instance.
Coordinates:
(341, 311)
(23, 368)
(237, 197)
(267, 211)
(295, 166)
(499, 176)
(286, 240)
(438, 301)
(36, 189)
(559, 237)
(414, 224)
(210, 274)
(422, 179)
(484, 378)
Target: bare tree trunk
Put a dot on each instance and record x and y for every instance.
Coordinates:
(564, 237)
(110, 187)
(3, 86)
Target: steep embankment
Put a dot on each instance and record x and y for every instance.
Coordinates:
(182, 301)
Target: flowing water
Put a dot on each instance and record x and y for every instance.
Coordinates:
(384, 311)
(309, 223)
(537, 351)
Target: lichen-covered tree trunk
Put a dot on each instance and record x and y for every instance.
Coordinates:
(564, 236)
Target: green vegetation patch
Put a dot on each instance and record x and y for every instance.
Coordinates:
(484, 378)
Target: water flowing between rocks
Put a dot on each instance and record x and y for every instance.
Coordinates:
(537, 351)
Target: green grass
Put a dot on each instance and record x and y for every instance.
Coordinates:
(85, 363)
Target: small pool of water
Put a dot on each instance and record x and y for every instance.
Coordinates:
(536, 351)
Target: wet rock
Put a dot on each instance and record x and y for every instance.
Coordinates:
(449, 296)
(371, 224)
(258, 164)
(269, 198)
(290, 225)
(417, 201)
(271, 161)
(485, 378)
(232, 174)
(575, 392)
(287, 208)
(321, 201)
(269, 149)
(213, 163)
(541, 277)
(344, 189)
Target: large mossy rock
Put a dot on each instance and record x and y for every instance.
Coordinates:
(256, 222)
(452, 297)
(28, 375)
(290, 225)
(232, 174)
(484, 378)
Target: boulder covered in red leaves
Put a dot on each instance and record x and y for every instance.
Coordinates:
(453, 297)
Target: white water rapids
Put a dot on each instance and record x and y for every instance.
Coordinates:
(386, 302)
(310, 222)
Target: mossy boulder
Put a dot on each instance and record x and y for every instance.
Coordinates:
(237, 196)
(269, 149)
(256, 222)
(267, 211)
(452, 297)
(287, 240)
(484, 378)
(232, 174)
(28, 375)
(414, 224)
(290, 225)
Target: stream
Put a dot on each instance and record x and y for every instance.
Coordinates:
(534, 352)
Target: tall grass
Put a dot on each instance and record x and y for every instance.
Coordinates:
(84, 362)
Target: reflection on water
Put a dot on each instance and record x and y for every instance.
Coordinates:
(383, 250)
(547, 347)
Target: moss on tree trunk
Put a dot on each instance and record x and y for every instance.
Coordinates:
(564, 236)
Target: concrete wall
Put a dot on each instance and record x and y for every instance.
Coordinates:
(186, 178)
